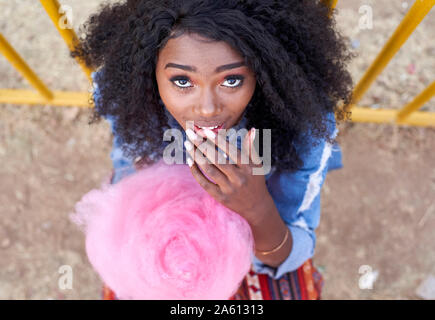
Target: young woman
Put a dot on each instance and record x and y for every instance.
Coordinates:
(265, 64)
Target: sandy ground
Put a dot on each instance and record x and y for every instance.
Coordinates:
(377, 211)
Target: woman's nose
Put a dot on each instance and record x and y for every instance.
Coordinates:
(208, 111)
(208, 106)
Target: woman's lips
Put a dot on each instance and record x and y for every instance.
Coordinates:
(215, 130)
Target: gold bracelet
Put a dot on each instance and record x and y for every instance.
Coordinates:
(278, 247)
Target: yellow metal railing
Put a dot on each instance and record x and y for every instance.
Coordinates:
(331, 4)
(43, 95)
(408, 115)
(68, 35)
(14, 58)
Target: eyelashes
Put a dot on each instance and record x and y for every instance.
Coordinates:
(183, 79)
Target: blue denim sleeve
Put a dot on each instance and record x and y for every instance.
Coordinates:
(122, 165)
(297, 198)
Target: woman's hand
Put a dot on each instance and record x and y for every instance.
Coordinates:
(236, 187)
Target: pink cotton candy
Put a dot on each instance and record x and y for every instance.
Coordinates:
(157, 234)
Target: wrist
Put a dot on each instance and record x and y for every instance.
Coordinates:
(270, 232)
(262, 211)
(277, 257)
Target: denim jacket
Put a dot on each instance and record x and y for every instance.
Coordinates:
(296, 195)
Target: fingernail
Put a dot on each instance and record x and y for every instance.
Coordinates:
(188, 145)
(192, 135)
(252, 135)
(210, 134)
(190, 162)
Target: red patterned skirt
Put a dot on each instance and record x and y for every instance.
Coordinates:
(305, 283)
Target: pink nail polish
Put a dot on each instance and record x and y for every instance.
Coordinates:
(252, 135)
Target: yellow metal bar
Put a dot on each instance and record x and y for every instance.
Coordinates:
(412, 19)
(415, 104)
(417, 118)
(331, 4)
(81, 99)
(60, 98)
(52, 8)
(18, 63)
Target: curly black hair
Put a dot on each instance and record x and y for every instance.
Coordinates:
(298, 56)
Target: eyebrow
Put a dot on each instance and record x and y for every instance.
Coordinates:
(218, 69)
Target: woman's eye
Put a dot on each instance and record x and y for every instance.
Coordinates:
(183, 82)
(238, 82)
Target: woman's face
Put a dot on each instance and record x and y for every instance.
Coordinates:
(207, 83)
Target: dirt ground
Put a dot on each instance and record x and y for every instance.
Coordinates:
(378, 211)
